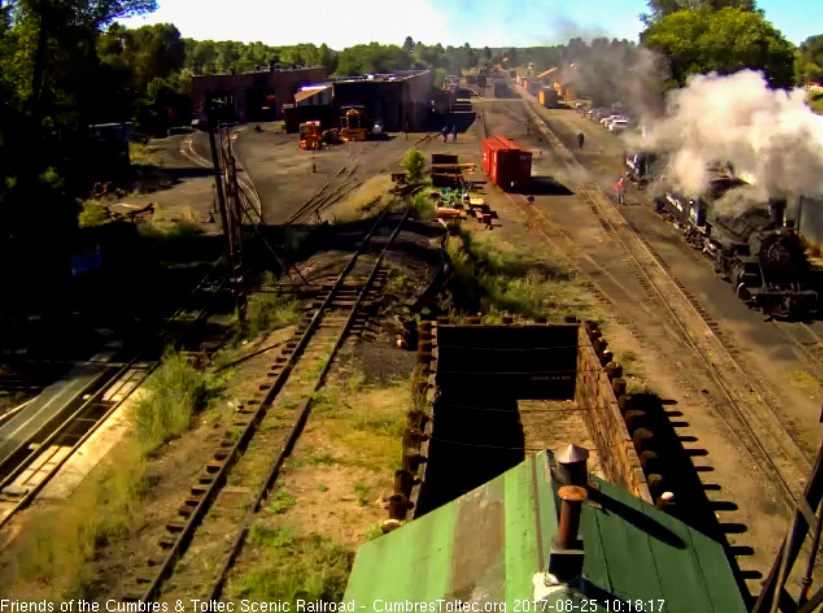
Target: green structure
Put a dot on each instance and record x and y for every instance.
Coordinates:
(493, 547)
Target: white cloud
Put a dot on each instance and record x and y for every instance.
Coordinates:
(339, 24)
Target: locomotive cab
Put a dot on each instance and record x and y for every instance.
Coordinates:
(641, 167)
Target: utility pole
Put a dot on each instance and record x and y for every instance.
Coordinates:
(218, 182)
(223, 175)
(235, 214)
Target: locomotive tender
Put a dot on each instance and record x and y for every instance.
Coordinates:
(756, 251)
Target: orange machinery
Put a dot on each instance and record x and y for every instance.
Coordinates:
(310, 135)
(353, 123)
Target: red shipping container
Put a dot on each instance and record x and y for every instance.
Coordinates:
(508, 164)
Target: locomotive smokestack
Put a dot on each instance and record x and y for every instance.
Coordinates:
(777, 210)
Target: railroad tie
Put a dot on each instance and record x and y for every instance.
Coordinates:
(221, 454)
(214, 466)
(198, 489)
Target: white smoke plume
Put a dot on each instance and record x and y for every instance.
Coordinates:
(770, 137)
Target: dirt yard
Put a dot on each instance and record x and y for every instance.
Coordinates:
(332, 494)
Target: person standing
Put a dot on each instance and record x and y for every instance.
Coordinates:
(454, 133)
(620, 190)
(445, 132)
(580, 139)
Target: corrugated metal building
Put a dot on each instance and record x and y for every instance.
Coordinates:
(495, 545)
(252, 96)
(400, 100)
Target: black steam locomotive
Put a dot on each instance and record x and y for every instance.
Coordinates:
(756, 251)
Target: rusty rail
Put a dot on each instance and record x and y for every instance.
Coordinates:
(230, 450)
(299, 423)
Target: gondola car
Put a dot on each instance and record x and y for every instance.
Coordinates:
(756, 251)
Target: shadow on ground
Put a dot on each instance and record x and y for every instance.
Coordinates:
(547, 186)
(669, 453)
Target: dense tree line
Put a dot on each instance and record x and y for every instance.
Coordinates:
(65, 65)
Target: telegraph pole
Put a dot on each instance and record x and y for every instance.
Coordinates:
(225, 178)
(213, 125)
(235, 214)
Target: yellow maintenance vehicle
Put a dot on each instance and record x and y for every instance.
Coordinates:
(353, 123)
(310, 135)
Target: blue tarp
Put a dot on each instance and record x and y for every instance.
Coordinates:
(86, 261)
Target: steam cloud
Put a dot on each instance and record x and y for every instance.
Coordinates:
(772, 138)
(629, 75)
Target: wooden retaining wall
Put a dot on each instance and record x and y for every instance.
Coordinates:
(597, 389)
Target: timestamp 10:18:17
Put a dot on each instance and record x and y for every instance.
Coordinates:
(657, 605)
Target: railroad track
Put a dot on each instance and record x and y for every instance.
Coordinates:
(40, 455)
(747, 408)
(808, 343)
(262, 436)
(246, 184)
(340, 185)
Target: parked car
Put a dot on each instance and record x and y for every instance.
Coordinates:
(618, 126)
(605, 123)
(598, 114)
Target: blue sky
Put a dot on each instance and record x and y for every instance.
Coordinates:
(341, 23)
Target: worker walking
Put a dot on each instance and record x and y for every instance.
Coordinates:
(445, 132)
(580, 139)
(620, 190)
(454, 133)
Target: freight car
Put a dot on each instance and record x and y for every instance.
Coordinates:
(508, 164)
(756, 251)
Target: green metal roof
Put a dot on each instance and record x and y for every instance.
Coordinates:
(487, 546)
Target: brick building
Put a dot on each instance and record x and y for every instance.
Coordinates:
(252, 96)
(399, 99)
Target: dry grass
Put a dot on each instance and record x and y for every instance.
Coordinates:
(332, 493)
(55, 555)
(364, 201)
(293, 567)
(505, 281)
(804, 381)
(56, 551)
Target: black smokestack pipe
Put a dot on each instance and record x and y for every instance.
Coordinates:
(777, 210)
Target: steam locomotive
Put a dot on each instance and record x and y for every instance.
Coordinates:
(756, 251)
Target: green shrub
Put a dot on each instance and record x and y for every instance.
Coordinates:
(174, 393)
(414, 163)
(421, 207)
(271, 310)
(93, 215)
